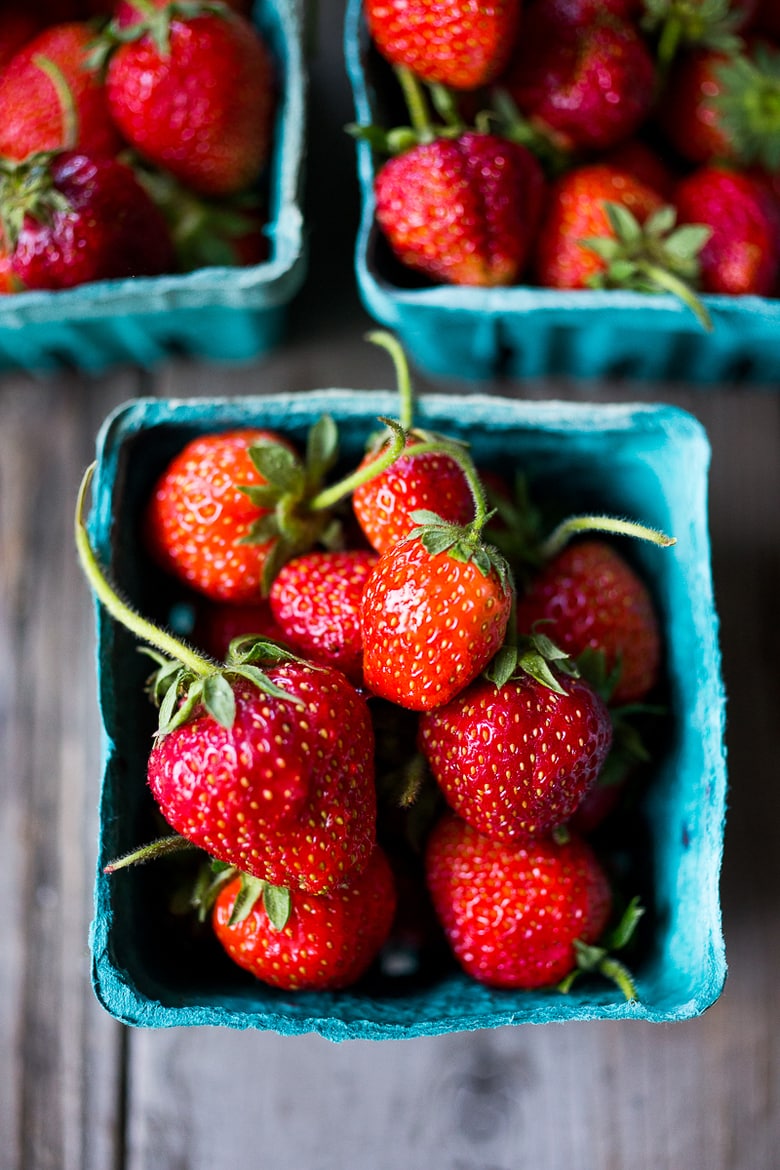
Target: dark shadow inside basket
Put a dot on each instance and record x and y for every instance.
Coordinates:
(656, 843)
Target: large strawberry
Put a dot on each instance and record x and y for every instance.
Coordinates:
(742, 254)
(323, 942)
(459, 44)
(69, 108)
(70, 218)
(589, 598)
(516, 759)
(315, 600)
(461, 210)
(588, 82)
(434, 611)
(191, 87)
(522, 915)
(604, 228)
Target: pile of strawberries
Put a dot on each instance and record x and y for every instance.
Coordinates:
(576, 144)
(401, 712)
(134, 135)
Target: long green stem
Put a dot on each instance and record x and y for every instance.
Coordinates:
(455, 452)
(143, 629)
(70, 120)
(415, 103)
(403, 380)
(609, 524)
(339, 491)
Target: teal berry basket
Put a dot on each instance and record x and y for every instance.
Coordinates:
(525, 331)
(219, 314)
(151, 969)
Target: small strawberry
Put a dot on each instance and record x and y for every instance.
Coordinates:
(70, 110)
(742, 254)
(265, 762)
(604, 228)
(590, 598)
(315, 600)
(588, 83)
(191, 87)
(327, 941)
(523, 915)
(516, 758)
(460, 44)
(427, 481)
(435, 610)
(463, 210)
(69, 218)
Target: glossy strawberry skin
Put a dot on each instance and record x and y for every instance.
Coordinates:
(286, 794)
(743, 253)
(431, 482)
(111, 229)
(203, 111)
(590, 598)
(430, 624)
(28, 126)
(197, 517)
(458, 44)
(516, 761)
(330, 939)
(512, 912)
(590, 83)
(575, 212)
(462, 211)
(315, 600)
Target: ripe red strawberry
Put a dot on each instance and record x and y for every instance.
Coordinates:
(463, 211)
(589, 82)
(516, 760)
(434, 612)
(193, 93)
(458, 44)
(429, 481)
(69, 109)
(217, 624)
(590, 598)
(315, 600)
(286, 791)
(199, 524)
(71, 218)
(742, 254)
(328, 941)
(513, 912)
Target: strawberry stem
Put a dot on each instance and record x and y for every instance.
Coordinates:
(338, 491)
(664, 279)
(403, 380)
(162, 847)
(614, 525)
(455, 452)
(70, 121)
(141, 627)
(415, 103)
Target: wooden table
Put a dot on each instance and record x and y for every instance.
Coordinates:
(81, 1092)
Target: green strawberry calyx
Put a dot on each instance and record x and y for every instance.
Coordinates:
(214, 875)
(153, 22)
(748, 105)
(185, 680)
(653, 257)
(27, 189)
(600, 958)
(680, 24)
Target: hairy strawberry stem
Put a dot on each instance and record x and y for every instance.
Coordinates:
(331, 495)
(614, 525)
(454, 451)
(403, 380)
(119, 609)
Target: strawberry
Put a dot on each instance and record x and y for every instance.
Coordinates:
(461, 210)
(742, 254)
(315, 601)
(590, 598)
(70, 218)
(515, 760)
(286, 792)
(427, 479)
(328, 941)
(192, 89)
(199, 523)
(434, 611)
(588, 83)
(604, 228)
(70, 109)
(520, 914)
(460, 44)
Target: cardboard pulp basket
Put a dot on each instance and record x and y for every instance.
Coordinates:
(649, 462)
(220, 314)
(526, 331)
